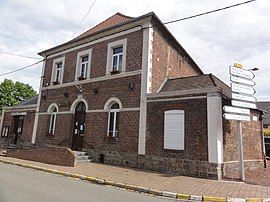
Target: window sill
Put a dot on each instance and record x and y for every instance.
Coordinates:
(50, 136)
(115, 72)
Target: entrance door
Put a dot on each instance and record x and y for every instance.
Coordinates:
(79, 127)
(18, 127)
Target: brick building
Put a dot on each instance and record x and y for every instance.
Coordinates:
(128, 93)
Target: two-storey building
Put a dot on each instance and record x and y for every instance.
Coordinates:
(128, 93)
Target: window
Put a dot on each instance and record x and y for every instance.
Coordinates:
(113, 125)
(83, 65)
(174, 129)
(117, 59)
(58, 70)
(58, 73)
(5, 131)
(116, 56)
(52, 121)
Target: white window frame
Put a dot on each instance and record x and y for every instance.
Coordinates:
(115, 111)
(54, 69)
(79, 63)
(174, 138)
(53, 114)
(111, 46)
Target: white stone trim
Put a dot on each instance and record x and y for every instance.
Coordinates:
(74, 104)
(49, 110)
(215, 128)
(104, 78)
(110, 101)
(21, 107)
(175, 99)
(122, 42)
(34, 133)
(150, 57)
(97, 41)
(18, 114)
(55, 61)
(19, 110)
(160, 87)
(78, 64)
(2, 120)
(143, 100)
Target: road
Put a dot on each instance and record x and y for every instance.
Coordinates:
(22, 184)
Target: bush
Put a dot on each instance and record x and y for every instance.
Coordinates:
(266, 132)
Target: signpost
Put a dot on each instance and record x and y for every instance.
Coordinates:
(243, 100)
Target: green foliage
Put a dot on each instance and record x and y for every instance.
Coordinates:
(13, 93)
(266, 132)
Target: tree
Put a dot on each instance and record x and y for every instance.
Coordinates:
(13, 93)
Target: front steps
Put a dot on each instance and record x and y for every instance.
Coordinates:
(82, 157)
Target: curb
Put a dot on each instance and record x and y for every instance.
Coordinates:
(139, 189)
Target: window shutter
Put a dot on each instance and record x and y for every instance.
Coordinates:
(174, 129)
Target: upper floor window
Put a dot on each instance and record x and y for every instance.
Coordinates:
(57, 71)
(83, 65)
(116, 57)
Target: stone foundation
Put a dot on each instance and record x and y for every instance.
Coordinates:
(176, 166)
(232, 167)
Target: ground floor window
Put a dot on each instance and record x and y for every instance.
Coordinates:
(174, 129)
(113, 125)
(52, 121)
(5, 131)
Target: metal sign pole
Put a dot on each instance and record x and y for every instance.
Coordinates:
(240, 151)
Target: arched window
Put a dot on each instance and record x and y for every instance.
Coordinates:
(52, 120)
(113, 122)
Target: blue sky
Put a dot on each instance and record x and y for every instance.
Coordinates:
(215, 41)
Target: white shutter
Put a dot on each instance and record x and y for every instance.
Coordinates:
(174, 129)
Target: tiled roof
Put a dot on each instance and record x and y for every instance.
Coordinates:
(30, 101)
(195, 83)
(265, 106)
(111, 21)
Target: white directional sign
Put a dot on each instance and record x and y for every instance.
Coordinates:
(243, 97)
(242, 81)
(236, 117)
(242, 89)
(236, 110)
(241, 72)
(244, 104)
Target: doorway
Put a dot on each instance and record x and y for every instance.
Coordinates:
(18, 127)
(79, 127)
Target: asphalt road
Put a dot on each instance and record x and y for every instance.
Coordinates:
(22, 184)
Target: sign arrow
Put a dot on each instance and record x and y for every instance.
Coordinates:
(242, 89)
(236, 110)
(236, 117)
(248, 98)
(242, 81)
(241, 72)
(244, 104)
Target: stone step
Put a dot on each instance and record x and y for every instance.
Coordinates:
(84, 161)
(83, 157)
(80, 153)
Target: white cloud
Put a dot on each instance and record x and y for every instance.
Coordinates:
(215, 41)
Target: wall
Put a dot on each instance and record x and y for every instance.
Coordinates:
(195, 129)
(27, 125)
(50, 155)
(99, 58)
(167, 62)
(252, 139)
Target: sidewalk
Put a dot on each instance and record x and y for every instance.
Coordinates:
(159, 181)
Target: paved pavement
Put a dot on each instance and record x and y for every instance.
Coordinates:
(158, 181)
(22, 184)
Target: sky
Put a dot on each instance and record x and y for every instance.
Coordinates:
(214, 41)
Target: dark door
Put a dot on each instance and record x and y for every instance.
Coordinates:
(79, 127)
(18, 127)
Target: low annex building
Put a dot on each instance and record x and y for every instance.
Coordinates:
(128, 93)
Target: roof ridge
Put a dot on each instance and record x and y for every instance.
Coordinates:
(187, 77)
(118, 13)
